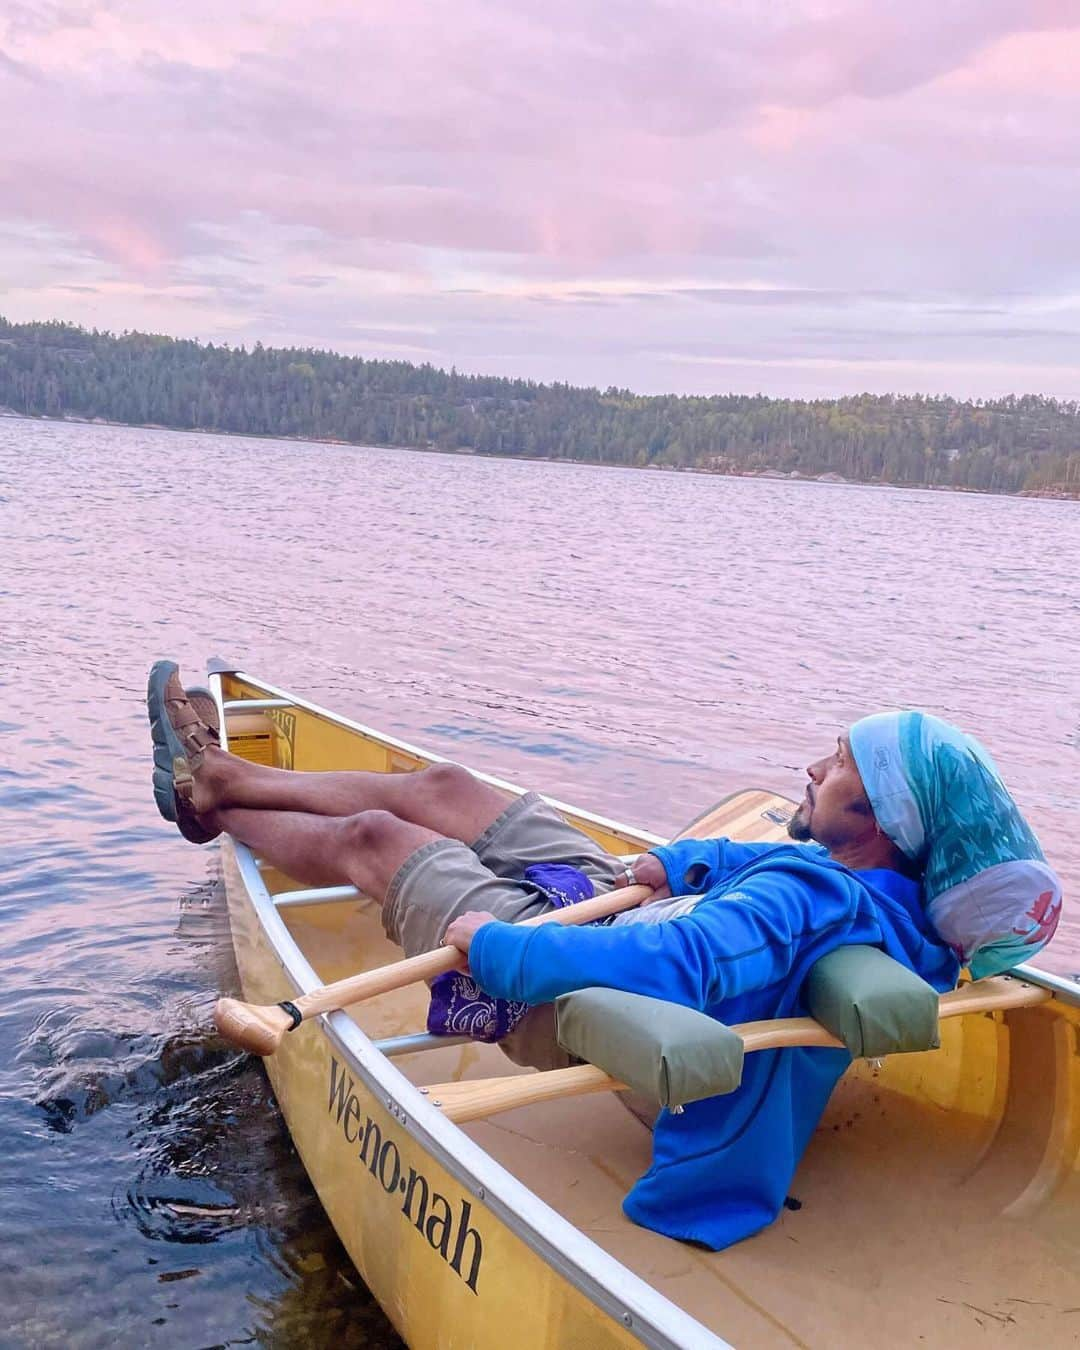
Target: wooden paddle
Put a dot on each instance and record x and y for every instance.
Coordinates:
(475, 1099)
(261, 1028)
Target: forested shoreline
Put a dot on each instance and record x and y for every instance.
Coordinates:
(1014, 444)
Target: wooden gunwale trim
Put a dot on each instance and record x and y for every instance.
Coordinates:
(627, 1298)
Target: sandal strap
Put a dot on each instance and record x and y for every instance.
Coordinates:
(193, 733)
(183, 781)
(187, 821)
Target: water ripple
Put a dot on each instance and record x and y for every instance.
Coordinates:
(496, 611)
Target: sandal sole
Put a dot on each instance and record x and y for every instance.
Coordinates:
(167, 745)
(167, 749)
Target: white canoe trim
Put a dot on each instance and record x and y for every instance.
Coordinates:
(1064, 987)
(624, 1296)
(322, 895)
(291, 700)
(255, 704)
(416, 1041)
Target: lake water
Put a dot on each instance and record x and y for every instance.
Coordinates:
(638, 643)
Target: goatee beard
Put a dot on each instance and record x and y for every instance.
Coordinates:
(798, 827)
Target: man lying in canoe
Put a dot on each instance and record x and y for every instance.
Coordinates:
(919, 850)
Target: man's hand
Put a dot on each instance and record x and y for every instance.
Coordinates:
(463, 929)
(647, 870)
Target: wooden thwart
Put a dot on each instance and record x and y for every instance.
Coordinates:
(474, 1100)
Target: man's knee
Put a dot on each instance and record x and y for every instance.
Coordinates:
(452, 783)
(369, 831)
(452, 801)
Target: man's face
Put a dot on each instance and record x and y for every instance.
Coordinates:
(835, 809)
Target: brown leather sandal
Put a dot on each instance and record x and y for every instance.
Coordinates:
(189, 728)
(180, 738)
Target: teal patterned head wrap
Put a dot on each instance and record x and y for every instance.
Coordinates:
(937, 794)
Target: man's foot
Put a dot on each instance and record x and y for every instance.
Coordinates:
(181, 738)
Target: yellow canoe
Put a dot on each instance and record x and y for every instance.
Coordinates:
(937, 1204)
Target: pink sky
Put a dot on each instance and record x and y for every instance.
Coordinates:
(810, 197)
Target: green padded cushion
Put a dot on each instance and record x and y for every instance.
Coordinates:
(670, 1053)
(872, 1003)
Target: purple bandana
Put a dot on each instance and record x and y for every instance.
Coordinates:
(459, 1007)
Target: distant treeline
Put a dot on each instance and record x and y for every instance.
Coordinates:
(1007, 445)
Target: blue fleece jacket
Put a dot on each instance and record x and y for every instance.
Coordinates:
(722, 1168)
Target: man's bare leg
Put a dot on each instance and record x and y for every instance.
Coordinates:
(444, 798)
(365, 850)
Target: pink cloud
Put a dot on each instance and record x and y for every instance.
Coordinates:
(413, 156)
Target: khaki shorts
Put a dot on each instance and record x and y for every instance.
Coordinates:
(445, 878)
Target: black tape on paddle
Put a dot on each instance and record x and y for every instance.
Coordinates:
(293, 1011)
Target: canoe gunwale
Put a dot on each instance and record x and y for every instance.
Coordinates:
(1064, 987)
(627, 1298)
(406, 747)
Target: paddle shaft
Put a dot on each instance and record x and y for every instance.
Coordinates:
(357, 988)
(475, 1099)
(260, 1028)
